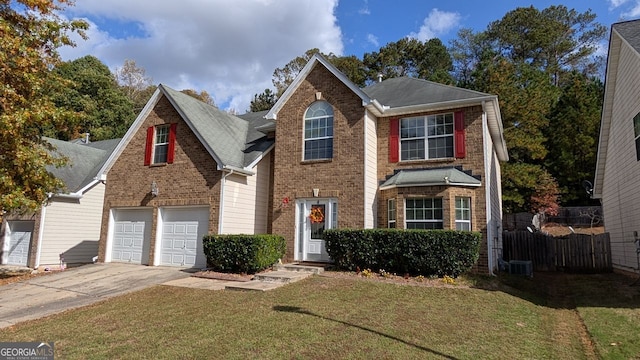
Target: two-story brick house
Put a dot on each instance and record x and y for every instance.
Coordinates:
(403, 153)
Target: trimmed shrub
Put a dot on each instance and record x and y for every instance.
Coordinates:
(416, 252)
(243, 253)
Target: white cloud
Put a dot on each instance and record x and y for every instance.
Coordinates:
(437, 23)
(633, 12)
(228, 48)
(364, 10)
(373, 40)
(616, 3)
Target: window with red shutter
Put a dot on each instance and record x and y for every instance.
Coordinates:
(459, 140)
(160, 144)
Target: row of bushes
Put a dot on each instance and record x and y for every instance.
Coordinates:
(416, 252)
(243, 253)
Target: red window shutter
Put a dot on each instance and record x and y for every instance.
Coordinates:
(172, 143)
(394, 129)
(149, 146)
(459, 136)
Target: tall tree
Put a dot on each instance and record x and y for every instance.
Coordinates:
(30, 34)
(92, 90)
(554, 39)
(410, 57)
(284, 76)
(263, 101)
(135, 83)
(572, 135)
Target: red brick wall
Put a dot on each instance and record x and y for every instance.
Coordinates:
(192, 179)
(341, 177)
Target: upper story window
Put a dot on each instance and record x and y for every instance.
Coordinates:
(427, 137)
(318, 131)
(160, 146)
(636, 131)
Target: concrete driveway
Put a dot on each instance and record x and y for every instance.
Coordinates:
(75, 287)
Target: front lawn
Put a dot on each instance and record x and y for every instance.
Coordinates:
(318, 318)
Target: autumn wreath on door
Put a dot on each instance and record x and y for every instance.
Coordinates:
(316, 216)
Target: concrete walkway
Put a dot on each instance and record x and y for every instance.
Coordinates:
(72, 288)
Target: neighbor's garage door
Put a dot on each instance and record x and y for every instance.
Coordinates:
(131, 236)
(19, 241)
(182, 232)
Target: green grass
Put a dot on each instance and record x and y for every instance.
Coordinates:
(342, 318)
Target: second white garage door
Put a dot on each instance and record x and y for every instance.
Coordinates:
(182, 232)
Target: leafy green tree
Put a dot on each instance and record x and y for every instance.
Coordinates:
(263, 101)
(93, 91)
(572, 135)
(410, 57)
(30, 33)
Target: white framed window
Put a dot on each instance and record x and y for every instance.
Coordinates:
(423, 213)
(391, 213)
(318, 131)
(427, 137)
(161, 144)
(463, 213)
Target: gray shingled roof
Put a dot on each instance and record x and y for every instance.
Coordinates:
(430, 177)
(84, 161)
(406, 91)
(630, 31)
(232, 139)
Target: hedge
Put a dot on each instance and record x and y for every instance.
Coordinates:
(415, 252)
(243, 253)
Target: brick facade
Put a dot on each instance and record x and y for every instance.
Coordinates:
(191, 180)
(341, 177)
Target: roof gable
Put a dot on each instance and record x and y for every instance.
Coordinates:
(232, 141)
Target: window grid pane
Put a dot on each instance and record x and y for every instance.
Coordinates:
(318, 131)
(391, 213)
(463, 213)
(427, 137)
(424, 213)
(161, 145)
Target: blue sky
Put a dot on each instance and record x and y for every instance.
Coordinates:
(230, 48)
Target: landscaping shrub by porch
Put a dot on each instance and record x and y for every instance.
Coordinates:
(243, 253)
(424, 252)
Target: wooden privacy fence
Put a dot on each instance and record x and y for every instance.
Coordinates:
(572, 253)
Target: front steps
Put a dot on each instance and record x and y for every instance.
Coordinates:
(283, 274)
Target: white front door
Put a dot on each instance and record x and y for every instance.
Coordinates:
(314, 216)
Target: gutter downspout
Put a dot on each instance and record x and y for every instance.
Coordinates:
(223, 183)
(40, 236)
(487, 189)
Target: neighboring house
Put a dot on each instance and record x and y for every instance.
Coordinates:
(184, 169)
(617, 177)
(69, 223)
(404, 153)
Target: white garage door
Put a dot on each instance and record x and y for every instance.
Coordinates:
(131, 236)
(128, 238)
(18, 241)
(182, 232)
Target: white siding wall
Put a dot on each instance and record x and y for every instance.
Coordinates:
(621, 185)
(72, 227)
(371, 170)
(246, 201)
